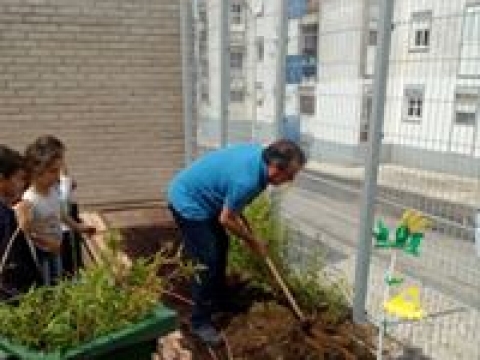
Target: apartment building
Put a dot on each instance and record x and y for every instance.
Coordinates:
(432, 107)
(433, 102)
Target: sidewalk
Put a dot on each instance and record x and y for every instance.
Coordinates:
(447, 187)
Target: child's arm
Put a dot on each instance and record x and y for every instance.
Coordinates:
(48, 244)
(76, 226)
(23, 213)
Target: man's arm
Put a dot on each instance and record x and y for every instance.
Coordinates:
(238, 225)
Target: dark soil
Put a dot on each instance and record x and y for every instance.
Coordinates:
(265, 329)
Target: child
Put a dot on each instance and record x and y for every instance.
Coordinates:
(45, 159)
(71, 244)
(18, 272)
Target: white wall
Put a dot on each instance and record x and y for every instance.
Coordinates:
(339, 91)
(435, 69)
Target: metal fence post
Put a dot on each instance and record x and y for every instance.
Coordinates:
(282, 41)
(224, 69)
(477, 232)
(187, 78)
(372, 162)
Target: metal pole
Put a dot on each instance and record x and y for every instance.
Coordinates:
(253, 17)
(224, 69)
(477, 232)
(187, 85)
(281, 67)
(372, 162)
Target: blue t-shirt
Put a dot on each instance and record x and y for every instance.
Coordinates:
(230, 177)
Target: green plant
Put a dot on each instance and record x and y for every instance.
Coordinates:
(313, 289)
(266, 227)
(106, 297)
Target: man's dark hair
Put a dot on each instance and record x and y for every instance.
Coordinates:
(10, 162)
(42, 153)
(282, 153)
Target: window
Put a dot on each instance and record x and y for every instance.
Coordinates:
(307, 104)
(236, 60)
(260, 48)
(372, 38)
(236, 13)
(367, 107)
(204, 93)
(467, 104)
(310, 40)
(237, 95)
(414, 103)
(470, 47)
(420, 29)
(309, 50)
(257, 7)
(259, 92)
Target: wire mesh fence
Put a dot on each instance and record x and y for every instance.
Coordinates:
(429, 156)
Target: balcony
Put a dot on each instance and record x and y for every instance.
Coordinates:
(301, 69)
(309, 67)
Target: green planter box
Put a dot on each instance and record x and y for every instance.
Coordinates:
(137, 342)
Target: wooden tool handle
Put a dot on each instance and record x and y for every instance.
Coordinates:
(285, 289)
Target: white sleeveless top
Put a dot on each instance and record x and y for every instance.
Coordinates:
(46, 213)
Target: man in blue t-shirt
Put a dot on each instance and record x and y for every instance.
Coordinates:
(207, 200)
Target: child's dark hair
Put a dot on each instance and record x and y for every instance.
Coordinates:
(10, 162)
(42, 153)
(282, 153)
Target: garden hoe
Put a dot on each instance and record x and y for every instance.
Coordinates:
(305, 322)
(317, 340)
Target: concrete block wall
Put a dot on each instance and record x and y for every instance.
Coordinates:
(105, 77)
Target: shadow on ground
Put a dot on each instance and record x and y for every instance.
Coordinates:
(413, 353)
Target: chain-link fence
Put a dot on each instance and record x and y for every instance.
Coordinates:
(321, 88)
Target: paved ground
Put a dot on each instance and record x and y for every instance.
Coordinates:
(448, 271)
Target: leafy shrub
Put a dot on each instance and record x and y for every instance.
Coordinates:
(313, 289)
(105, 297)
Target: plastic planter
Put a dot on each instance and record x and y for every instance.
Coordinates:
(136, 341)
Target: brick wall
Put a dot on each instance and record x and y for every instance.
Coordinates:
(105, 77)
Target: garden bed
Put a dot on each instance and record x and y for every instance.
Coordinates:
(265, 329)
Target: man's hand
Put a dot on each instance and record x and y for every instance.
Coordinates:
(238, 225)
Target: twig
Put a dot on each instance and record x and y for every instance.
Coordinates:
(7, 249)
(178, 297)
(227, 346)
(212, 353)
(89, 251)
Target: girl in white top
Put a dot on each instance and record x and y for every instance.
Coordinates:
(45, 159)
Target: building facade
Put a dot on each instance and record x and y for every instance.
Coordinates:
(432, 107)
